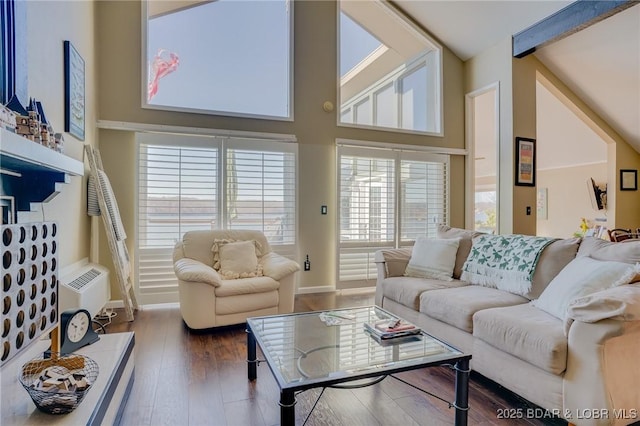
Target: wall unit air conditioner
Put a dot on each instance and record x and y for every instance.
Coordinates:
(86, 287)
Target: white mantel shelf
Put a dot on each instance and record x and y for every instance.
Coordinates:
(18, 154)
(31, 173)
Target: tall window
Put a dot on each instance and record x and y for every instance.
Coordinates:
(226, 56)
(389, 70)
(387, 199)
(188, 183)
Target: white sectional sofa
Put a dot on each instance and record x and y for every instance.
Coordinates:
(583, 368)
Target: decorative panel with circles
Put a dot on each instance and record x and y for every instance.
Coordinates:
(29, 284)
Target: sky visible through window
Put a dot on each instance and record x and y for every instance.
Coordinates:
(355, 44)
(233, 57)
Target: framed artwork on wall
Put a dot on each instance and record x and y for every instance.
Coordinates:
(525, 162)
(628, 180)
(73, 91)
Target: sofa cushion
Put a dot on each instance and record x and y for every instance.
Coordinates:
(407, 290)
(433, 258)
(247, 303)
(465, 235)
(526, 333)
(456, 306)
(552, 259)
(582, 276)
(627, 252)
(246, 286)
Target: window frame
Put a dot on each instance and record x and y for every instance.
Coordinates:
(144, 104)
(398, 153)
(219, 141)
(428, 58)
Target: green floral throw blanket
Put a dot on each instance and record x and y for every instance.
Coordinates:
(506, 262)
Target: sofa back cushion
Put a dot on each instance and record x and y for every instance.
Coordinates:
(197, 245)
(552, 259)
(627, 251)
(464, 247)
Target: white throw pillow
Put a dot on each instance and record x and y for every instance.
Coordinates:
(433, 258)
(581, 277)
(238, 260)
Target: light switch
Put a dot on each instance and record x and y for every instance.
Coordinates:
(323, 209)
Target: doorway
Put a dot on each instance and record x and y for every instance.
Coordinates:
(482, 140)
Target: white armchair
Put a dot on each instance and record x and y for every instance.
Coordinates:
(212, 296)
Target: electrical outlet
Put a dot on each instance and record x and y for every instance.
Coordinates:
(307, 264)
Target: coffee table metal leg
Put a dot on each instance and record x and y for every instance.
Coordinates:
(287, 408)
(461, 403)
(252, 362)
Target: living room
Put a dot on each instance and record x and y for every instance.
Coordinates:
(110, 37)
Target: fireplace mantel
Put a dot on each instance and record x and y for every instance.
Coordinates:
(30, 171)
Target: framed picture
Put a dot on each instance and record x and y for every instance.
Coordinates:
(525, 162)
(73, 91)
(628, 180)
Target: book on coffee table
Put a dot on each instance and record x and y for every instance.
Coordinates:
(391, 328)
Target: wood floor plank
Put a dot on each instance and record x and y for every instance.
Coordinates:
(200, 378)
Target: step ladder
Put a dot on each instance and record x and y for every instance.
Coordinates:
(118, 248)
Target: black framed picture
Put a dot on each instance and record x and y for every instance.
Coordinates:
(628, 180)
(73, 91)
(525, 162)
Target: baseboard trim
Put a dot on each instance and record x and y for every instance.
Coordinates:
(317, 289)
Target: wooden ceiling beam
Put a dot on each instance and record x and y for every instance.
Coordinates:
(571, 19)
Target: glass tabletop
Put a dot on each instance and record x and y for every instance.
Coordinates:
(333, 346)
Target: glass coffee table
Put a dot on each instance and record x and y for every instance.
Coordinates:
(330, 348)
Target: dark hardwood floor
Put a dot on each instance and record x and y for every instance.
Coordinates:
(186, 378)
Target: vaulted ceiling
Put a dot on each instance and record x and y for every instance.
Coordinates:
(600, 64)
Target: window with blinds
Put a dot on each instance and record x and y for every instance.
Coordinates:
(189, 182)
(387, 199)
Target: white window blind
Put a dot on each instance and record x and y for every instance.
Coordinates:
(261, 193)
(188, 183)
(387, 199)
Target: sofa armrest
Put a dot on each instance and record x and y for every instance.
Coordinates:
(394, 261)
(191, 270)
(277, 266)
(602, 372)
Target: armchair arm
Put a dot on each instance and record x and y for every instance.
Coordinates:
(394, 261)
(191, 270)
(277, 266)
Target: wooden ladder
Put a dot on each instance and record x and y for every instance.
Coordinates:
(118, 249)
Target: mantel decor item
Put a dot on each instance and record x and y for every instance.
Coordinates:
(628, 180)
(525, 162)
(73, 91)
(58, 384)
(29, 285)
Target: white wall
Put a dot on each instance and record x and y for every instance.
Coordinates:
(569, 153)
(49, 24)
(568, 198)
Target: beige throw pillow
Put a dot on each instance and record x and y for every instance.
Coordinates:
(432, 258)
(236, 259)
(581, 277)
